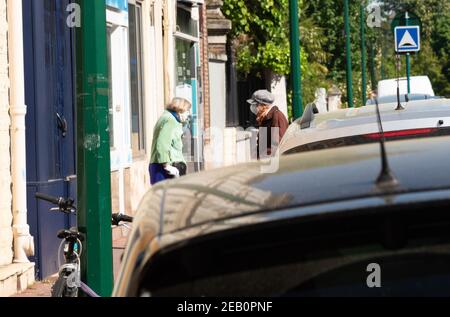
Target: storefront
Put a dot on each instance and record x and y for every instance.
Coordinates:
(126, 99)
(138, 72)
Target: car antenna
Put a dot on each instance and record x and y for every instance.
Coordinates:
(398, 66)
(386, 177)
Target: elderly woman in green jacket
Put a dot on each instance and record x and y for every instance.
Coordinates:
(167, 160)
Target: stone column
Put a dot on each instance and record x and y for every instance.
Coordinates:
(23, 241)
(6, 234)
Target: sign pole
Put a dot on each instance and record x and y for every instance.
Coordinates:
(363, 56)
(93, 156)
(408, 61)
(296, 74)
(349, 55)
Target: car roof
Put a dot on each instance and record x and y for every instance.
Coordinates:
(421, 106)
(403, 98)
(304, 179)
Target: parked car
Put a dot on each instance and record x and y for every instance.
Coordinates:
(344, 127)
(320, 226)
(403, 98)
(418, 85)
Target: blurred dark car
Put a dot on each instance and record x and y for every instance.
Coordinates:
(316, 227)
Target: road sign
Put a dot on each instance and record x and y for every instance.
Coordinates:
(405, 19)
(407, 39)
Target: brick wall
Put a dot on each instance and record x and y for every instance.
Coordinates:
(5, 170)
(205, 68)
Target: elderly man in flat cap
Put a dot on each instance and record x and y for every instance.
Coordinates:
(270, 120)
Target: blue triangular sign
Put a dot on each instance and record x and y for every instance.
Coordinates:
(407, 39)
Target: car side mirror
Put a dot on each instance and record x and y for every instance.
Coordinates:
(308, 116)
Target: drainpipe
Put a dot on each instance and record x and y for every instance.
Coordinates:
(23, 241)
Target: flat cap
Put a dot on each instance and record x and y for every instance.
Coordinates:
(262, 96)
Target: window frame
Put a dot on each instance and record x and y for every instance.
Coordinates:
(142, 140)
(121, 153)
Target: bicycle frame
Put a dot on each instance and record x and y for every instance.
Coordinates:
(69, 279)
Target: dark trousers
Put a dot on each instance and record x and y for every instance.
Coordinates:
(159, 174)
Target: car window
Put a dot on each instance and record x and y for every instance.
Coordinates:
(421, 274)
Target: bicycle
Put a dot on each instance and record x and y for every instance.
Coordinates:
(69, 281)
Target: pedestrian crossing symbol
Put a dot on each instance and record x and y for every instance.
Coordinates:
(407, 39)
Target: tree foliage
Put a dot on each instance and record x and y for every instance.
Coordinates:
(261, 29)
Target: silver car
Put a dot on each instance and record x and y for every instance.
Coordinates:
(314, 131)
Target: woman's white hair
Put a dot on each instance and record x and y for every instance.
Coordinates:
(179, 105)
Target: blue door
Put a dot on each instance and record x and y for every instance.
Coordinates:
(49, 91)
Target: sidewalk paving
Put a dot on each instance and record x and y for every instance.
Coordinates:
(43, 288)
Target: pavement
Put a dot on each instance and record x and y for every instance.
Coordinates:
(43, 288)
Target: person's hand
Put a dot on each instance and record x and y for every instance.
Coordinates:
(171, 170)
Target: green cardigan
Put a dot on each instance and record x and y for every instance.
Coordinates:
(167, 144)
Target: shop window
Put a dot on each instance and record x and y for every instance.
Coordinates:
(185, 23)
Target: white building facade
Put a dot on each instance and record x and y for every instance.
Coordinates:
(16, 244)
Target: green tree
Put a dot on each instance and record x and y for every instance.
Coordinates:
(260, 28)
(329, 16)
(261, 31)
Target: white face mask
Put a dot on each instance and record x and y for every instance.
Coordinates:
(254, 109)
(184, 117)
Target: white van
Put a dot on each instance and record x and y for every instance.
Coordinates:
(420, 85)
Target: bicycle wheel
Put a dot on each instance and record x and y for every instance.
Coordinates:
(61, 289)
(58, 289)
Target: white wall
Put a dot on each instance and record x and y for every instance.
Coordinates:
(216, 150)
(278, 88)
(217, 82)
(153, 59)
